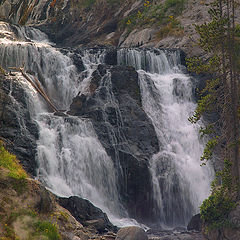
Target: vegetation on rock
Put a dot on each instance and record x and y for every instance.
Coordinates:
(14, 169)
(161, 14)
(215, 209)
(10, 162)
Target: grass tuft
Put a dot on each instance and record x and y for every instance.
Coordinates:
(10, 162)
(47, 229)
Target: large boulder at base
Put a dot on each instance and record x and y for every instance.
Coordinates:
(131, 233)
(87, 214)
(195, 223)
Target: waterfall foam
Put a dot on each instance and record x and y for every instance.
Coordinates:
(180, 184)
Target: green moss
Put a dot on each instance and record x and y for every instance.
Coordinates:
(15, 171)
(10, 162)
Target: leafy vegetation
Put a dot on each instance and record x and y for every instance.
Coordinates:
(10, 162)
(47, 229)
(15, 171)
(33, 226)
(215, 209)
(161, 14)
(219, 39)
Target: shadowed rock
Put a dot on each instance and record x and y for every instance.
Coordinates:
(87, 214)
(195, 223)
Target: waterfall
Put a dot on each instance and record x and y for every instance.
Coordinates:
(180, 184)
(71, 158)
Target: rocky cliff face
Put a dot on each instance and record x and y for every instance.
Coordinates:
(113, 105)
(125, 132)
(128, 23)
(17, 128)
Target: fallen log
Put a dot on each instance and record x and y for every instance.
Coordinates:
(37, 86)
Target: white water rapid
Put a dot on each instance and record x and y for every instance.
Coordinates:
(180, 184)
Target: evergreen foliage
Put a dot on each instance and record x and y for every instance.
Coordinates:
(215, 209)
(219, 39)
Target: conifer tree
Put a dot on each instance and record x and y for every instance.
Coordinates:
(221, 94)
(218, 40)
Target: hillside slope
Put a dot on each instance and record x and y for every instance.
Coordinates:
(128, 23)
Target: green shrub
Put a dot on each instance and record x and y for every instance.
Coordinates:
(215, 209)
(237, 30)
(47, 229)
(158, 14)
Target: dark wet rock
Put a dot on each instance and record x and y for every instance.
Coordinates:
(77, 60)
(87, 214)
(195, 223)
(111, 57)
(125, 131)
(131, 233)
(60, 114)
(77, 104)
(96, 78)
(125, 81)
(16, 124)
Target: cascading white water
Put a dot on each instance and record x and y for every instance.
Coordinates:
(71, 159)
(180, 184)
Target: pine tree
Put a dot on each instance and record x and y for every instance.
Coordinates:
(221, 95)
